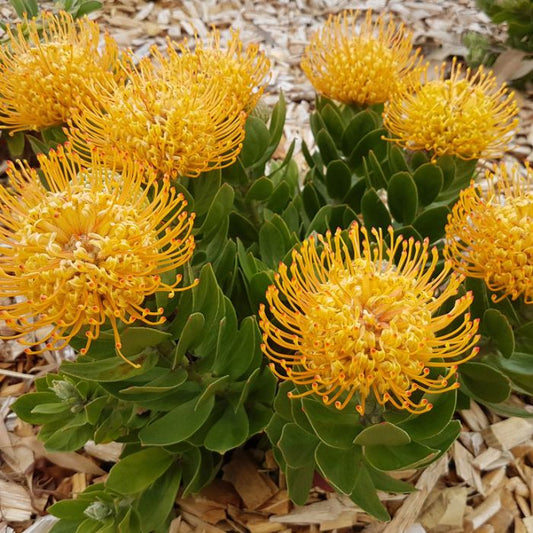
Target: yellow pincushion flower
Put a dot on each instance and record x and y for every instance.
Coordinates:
(42, 79)
(360, 65)
(170, 115)
(86, 248)
(466, 115)
(243, 72)
(490, 233)
(353, 323)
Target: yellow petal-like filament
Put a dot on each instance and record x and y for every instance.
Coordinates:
(350, 322)
(88, 246)
(490, 233)
(466, 115)
(358, 61)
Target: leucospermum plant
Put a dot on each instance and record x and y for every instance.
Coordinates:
(347, 314)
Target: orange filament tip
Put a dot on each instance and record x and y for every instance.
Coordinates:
(83, 351)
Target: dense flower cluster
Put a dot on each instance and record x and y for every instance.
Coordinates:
(360, 61)
(182, 112)
(84, 249)
(466, 114)
(490, 233)
(46, 74)
(350, 324)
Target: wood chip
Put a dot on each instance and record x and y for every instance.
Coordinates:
(508, 433)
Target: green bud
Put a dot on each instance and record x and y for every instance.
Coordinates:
(98, 511)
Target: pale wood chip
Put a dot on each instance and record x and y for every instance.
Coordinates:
(15, 502)
(508, 433)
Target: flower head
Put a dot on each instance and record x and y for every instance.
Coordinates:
(490, 233)
(466, 115)
(182, 113)
(354, 323)
(360, 65)
(243, 72)
(44, 77)
(88, 246)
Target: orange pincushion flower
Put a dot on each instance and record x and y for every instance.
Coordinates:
(171, 115)
(360, 65)
(89, 246)
(466, 115)
(43, 78)
(490, 233)
(350, 324)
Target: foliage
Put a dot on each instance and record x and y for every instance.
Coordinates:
(199, 385)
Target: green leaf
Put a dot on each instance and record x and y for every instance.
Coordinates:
(375, 214)
(178, 424)
(447, 165)
(485, 382)
(220, 207)
(371, 141)
(333, 427)
(297, 446)
(299, 482)
(497, 327)
(89, 6)
(30, 7)
(442, 441)
(402, 197)
(272, 245)
(524, 337)
(157, 501)
(398, 457)
(384, 433)
(396, 159)
(326, 145)
(339, 465)
(136, 472)
(170, 380)
(361, 124)
(260, 190)
(229, 431)
(15, 144)
(384, 482)
(432, 222)
(190, 334)
(374, 172)
(24, 407)
(338, 179)
(69, 509)
(256, 141)
(355, 195)
(279, 198)
(429, 180)
(364, 494)
(310, 200)
(108, 370)
(427, 424)
(481, 299)
(135, 340)
(333, 122)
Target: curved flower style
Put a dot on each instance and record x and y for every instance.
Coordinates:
(490, 233)
(467, 115)
(183, 114)
(355, 323)
(243, 72)
(42, 79)
(88, 246)
(363, 66)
